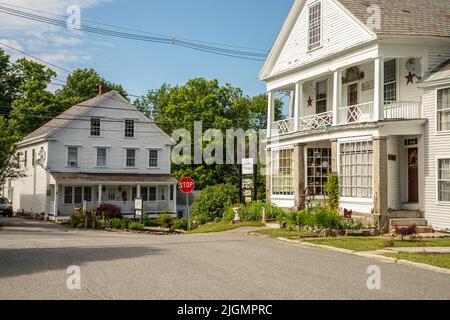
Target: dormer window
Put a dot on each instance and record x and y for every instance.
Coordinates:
(95, 127)
(315, 26)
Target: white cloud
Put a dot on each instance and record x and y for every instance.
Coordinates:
(57, 45)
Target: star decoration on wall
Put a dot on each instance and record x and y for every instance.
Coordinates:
(310, 101)
(410, 78)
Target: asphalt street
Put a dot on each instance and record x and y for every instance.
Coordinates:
(34, 257)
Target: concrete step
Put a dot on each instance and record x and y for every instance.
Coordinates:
(403, 222)
(406, 215)
(426, 229)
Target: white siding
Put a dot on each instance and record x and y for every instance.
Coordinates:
(438, 215)
(339, 32)
(436, 57)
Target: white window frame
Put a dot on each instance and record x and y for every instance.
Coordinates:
(445, 132)
(67, 156)
(99, 127)
(157, 158)
(347, 198)
(126, 130)
(286, 195)
(106, 157)
(438, 202)
(135, 158)
(391, 82)
(318, 44)
(326, 94)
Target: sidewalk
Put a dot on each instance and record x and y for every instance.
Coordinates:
(421, 250)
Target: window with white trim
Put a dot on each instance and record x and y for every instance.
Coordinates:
(443, 110)
(101, 157)
(282, 176)
(390, 80)
(153, 158)
(95, 127)
(72, 157)
(131, 158)
(318, 168)
(315, 25)
(129, 128)
(444, 180)
(321, 96)
(356, 169)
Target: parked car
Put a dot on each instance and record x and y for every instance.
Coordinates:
(5, 207)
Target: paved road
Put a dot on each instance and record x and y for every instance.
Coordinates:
(34, 257)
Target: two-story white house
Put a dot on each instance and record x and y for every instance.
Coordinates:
(103, 150)
(369, 83)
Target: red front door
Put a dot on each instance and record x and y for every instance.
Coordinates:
(413, 175)
(352, 101)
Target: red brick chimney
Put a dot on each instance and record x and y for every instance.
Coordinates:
(102, 90)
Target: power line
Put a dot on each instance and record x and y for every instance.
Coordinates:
(137, 30)
(165, 40)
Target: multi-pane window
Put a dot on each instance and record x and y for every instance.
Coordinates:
(101, 157)
(321, 96)
(95, 127)
(356, 169)
(131, 158)
(318, 166)
(153, 158)
(390, 80)
(68, 195)
(72, 157)
(444, 180)
(315, 25)
(129, 128)
(443, 110)
(282, 175)
(78, 195)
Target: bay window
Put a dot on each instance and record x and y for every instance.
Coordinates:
(443, 110)
(282, 175)
(356, 169)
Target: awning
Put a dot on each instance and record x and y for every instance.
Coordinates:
(111, 178)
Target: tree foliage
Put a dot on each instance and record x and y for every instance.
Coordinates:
(9, 161)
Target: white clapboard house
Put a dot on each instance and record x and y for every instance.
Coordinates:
(369, 83)
(100, 151)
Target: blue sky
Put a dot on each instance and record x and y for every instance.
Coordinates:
(141, 66)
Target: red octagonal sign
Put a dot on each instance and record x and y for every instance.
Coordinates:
(186, 185)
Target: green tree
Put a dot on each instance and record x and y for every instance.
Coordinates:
(9, 162)
(8, 84)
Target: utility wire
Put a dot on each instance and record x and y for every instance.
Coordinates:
(165, 40)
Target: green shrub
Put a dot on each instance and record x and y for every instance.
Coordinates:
(124, 223)
(116, 223)
(136, 226)
(165, 221)
(77, 219)
(332, 190)
(253, 211)
(212, 202)
(179, 224)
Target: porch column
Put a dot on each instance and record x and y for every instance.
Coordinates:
(291, 104)
(298, 102)
(334, 156)
(100, 190)
(268, 174)
(378, 93)
(337, 95)
(56, 200)
(270, 113)
(175, 199)
(380, 176)
(299, 176)
(138, 191)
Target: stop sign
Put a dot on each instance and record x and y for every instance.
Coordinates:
(186, 185)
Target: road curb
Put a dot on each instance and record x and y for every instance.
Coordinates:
(369, 256)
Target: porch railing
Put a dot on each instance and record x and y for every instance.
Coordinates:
(283, 127)
(358, 113)
(402, 110)
(317, 121)
(128, 206)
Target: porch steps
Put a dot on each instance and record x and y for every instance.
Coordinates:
(409, 218)
(406, 215)
(420, 222)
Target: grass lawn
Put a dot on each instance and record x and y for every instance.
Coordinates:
(286, 234)
(376, 243)
(437, 260)
(225, 226)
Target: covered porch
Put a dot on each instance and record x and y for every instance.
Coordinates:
(70, 191)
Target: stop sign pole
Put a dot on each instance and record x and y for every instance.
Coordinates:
(187, 185)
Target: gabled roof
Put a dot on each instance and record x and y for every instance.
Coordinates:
(405, 17)
(80, 110)
(429, 18)
(439, 74)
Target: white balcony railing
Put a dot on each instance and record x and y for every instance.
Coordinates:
(283, 127)
(317, 121)
(356, 114)
(402, 110)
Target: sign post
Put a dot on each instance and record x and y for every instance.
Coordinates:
(138, 207)
(187, 185)
(249, 180)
